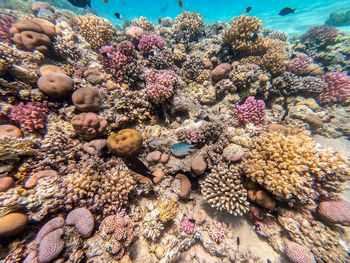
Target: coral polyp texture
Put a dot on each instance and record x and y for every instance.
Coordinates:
(154, 139)
(293, 168)
(96, 30)
(223, 189)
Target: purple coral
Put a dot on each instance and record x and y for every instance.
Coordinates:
(300, 64)
(337, 211)
(50, 226)
(298, 253)
(31, 115)
(320, 35)
(338, 88)
(160, 85)
(116, 61)
(5, 25)
(187, 226)
(251, 110)
(147, 42)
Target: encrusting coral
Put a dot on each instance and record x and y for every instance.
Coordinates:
(292, 167)
(223, 189)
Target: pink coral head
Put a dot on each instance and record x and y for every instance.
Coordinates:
(147, 42)
(338, 88)
(251, 110)
(300, 64)
(187, 226)
(127, 48)
(337, 212)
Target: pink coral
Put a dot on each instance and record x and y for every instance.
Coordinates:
(300, 64)
(50, 226)
(338, 88)
(335, 212)
(298, 253)
(251, 110)
(31, 115)
(117, 60)
(187, 226)
(160, 85)
(51, 246)
(82, 219)
(147, 42)
(121, 228)
(217, 233)
(5, 25)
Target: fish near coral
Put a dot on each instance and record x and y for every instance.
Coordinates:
(182, 149)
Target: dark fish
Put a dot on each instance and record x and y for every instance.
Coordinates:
(80, 3)
(119, 16)
(164, 8)
(192, 220)
(180, 3)
(247, 9)
(237, 241)
(254, 37)
(106, 1)
(135, 165)
(268, 261)
(286, 11)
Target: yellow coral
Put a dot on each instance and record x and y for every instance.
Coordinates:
(96, 30)
(143, 23)
(242, 36)
(168, 209)
(187, 26)
(11, 148)
(291, 166)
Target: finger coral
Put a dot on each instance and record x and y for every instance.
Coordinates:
(291, 167)
(224, 190)
(338, 88)
(243, 37)
(187, 26)
(96, 30)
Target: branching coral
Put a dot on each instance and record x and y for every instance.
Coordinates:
(291, 167)
(320, 36)
(96, 30)
(11, 148)
(223, 189)
(243, 37)
(187, 26)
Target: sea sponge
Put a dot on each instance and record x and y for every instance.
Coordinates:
(298, 253)
(337, 212)
(86, 99)
(89, 125)
(51, 246)
(82, 219)
(12, 224)
(33, 34)
(293, 168)
(126, 142)
(224, 190)
(6, 183)
(185, 185)
(56, 85)
(10, 130)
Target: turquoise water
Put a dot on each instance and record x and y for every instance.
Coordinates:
(307, 14)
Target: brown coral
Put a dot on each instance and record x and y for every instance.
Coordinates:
(89, 125)
(291, 167)
(96, 30)
(243, 36)
(126, 142)
(185, 185)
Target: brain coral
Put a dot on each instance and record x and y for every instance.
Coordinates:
(96, 30)
(243, 38)
(223, 190)
(291, 167)
(127, 142)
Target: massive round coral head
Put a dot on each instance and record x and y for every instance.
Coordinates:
(127, 142)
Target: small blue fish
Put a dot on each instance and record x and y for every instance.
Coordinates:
(182, 149)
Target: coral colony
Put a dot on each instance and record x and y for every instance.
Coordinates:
(132, 144)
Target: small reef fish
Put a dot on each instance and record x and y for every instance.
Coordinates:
(247, 10)
(182, 149)
(119, 16)
(135, 165)
(286, 11)
(237, 241)
(254, 37)
(106, 1)
(180, 3)
(268, 261)
(80, 3)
